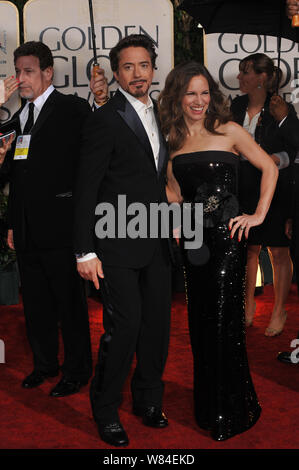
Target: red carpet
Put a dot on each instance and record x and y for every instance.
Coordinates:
(33, 420)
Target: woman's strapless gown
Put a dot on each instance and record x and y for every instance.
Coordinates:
(225, 401)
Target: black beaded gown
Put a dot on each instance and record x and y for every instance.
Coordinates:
(225, 401)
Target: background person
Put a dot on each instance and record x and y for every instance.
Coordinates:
(41, 220)
(260, 114)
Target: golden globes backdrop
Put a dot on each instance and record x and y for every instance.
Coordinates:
(65, 27)
(9, 40)
(224, 51)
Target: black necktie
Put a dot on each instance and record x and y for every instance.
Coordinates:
(30, 120)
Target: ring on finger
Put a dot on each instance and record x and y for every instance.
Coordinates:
(242, 228)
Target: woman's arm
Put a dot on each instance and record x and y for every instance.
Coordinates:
(173, 190)
(246, 145)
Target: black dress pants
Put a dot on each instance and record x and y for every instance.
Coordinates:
(54, 293)
(136, 317)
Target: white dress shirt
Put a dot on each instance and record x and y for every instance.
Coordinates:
(147, 116)
(148, 119)
(38, 104)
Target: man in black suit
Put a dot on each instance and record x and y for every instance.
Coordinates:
(124, 154)
(42, 168)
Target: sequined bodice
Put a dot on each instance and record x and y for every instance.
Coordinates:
(215, 168)
(209, 177)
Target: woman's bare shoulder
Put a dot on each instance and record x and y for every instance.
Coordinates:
(230, 127)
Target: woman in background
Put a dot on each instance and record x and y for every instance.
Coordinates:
(261, 116)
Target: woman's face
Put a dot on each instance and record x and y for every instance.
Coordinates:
(196, 99)
(249, 80)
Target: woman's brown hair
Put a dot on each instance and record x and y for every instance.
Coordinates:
(170, 109)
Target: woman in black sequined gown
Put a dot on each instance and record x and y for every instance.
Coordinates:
(204, 147)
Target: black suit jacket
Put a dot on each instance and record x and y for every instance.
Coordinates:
(117, 159)
(40, 201)
(272, 139)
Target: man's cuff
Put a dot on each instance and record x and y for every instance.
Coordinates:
(81, 257)
(284, 160)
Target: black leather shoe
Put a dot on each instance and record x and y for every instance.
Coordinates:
(36, 378)
(113, 434)
(285, 357)
(152, 416)
(67, 387)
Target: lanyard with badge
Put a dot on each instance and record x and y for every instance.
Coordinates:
(23, 141)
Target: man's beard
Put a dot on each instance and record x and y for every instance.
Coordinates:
(27, 95)
(138, 92)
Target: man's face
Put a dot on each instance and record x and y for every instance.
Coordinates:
(135, 72)
(33, 80)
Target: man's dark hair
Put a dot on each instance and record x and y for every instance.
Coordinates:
(37, 49)
(134, 40)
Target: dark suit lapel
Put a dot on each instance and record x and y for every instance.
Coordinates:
(131, 118)
(45, 112)
(266, 123)
(163, 152)
(240, 109)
